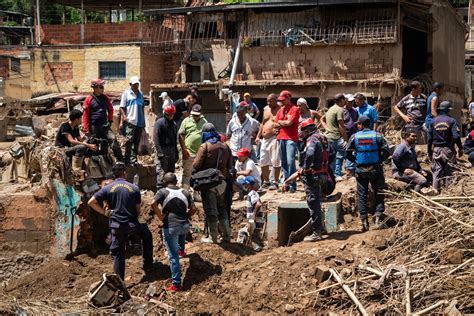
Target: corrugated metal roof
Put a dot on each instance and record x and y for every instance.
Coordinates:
(264, 5)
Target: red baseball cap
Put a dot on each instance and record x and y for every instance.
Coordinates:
(97, 82)
(242, 106)
(306, 123)
(243, 152)
(284, 94)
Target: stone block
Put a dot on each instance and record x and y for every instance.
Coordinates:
(14, 236)
(37, 236)
(322, 273)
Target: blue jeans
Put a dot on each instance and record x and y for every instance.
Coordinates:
(171, 237)
(338, 147)
(288, 151)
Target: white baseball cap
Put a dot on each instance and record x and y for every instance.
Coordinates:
(302, 100)
(163, 94)
(349, 97)
(134, 80)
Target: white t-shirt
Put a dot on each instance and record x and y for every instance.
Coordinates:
(249, 165)
(471, 108)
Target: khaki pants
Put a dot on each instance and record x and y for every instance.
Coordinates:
(187, 171)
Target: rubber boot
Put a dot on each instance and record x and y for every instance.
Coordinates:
(378, 221)
(212, 239)
(224, 227)
(77, 163)
(365, 224)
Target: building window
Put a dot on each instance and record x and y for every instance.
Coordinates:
(112, 70)
(15, 65)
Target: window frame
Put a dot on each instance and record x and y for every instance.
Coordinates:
(112, 73)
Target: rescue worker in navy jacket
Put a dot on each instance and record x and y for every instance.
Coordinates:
(443, 133)
(165, 137)
(313, 171)
(368, 149)
(124, 201)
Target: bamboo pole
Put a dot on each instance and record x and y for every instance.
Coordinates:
(349, 292)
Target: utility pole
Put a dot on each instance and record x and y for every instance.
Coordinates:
(38, 23)
(82, 21)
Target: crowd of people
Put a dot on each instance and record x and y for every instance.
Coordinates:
(289, 142)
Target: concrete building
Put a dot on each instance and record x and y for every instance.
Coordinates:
(314, 49)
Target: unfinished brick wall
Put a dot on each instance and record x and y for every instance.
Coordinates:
(57, 72)
(158, 68)
(25, 222)
(94, 33)
(354, 62)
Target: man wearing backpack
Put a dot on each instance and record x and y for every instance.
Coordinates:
(98, 115)
(314, 171)
(368, 149)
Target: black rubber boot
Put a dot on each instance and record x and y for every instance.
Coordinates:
(365, 224)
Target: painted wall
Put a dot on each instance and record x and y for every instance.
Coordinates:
(17, 84)
(72, 69)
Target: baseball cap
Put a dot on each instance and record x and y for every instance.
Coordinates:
(134, 80)
(242, 106)
(339, 96)
(243, 152)
(169, 108)
(247, 180)
(302, 100)
(284, 94)
(97, 82)
(246, 94)
(306, 123)
(445, 105)
(196, 109)
(163, 94)
(349, 97)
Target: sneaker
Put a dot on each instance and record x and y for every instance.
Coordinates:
(378, 222)
(181, 253)
(339, 179)
(273, 186)
(265, 185)
(313, 237)
(174, 288)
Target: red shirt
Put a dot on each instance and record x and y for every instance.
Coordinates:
(289, 132)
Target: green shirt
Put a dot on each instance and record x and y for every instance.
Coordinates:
(333, 115)
(192, 133)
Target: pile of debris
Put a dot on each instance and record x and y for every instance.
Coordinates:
(426, 264)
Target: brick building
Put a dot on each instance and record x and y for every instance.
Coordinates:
(314, 49)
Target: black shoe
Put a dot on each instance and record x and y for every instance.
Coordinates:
(365, 225)
(292, 190)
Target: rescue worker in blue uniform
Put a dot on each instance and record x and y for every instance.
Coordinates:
(443, 134)
(368, 149)
(314, 166)
(123, 199)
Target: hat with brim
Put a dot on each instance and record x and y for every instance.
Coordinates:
(163, 95)
(445, 105)
(196, 109)
(283, 95)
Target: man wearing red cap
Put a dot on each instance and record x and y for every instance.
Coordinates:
(165, 137)
(98, 115)
(286, 121)
(241, 129)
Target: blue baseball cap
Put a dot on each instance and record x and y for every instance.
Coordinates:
(247, 180)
